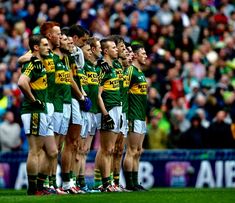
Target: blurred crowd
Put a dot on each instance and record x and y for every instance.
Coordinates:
(190, 70)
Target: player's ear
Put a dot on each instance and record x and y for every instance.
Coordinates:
(36, 48)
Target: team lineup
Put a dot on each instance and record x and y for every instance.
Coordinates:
(75, 85)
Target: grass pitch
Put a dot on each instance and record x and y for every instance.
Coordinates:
(166, 195)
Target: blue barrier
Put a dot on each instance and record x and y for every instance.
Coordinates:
(166, 168)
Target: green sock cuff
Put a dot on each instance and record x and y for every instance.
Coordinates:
(105, 181)
(71, 174)
(40, 181)
(52, 181)
(128, 179)
(135, 177)
(65, 177)
(32, 177)
(81, 180)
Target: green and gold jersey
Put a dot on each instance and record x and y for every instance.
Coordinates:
(119, 70)
(111, 89)
(74, 69)
(118, 67)
(38, 85)
(124, 89)
(137, 95)
(62, 94)
(83, 80)
(49, 63)
(93, 85)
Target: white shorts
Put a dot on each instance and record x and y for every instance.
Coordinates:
(137, 126)
(115, 114)
(98, 120)
(94, 124)
(86, 124)
(76, 117)
(37, 124)
(61, 120)
(50, 113)
(124, 127)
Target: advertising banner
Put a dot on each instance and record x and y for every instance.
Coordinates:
(169, 168)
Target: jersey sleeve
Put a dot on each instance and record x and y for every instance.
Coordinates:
(27, 69)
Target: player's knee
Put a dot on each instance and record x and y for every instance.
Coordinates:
(138, 152)
(34, 153)
(53, 154)
(86, 151)
(108, 152)
(129, 152)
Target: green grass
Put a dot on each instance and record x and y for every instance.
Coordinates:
(167, 195)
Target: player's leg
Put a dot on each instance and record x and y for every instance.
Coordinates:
(128, 163)
(139, 131)
(118, 152)
(104, 155)
(61, 129)
(35, 146)
(117, 158)
(68, 154)
(47, 159)
(97, 174)
(140, 138)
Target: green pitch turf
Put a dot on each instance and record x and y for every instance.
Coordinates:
(167, 195)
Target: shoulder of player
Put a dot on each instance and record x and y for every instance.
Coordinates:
(116, 64)
(27, 65)
(88, 65)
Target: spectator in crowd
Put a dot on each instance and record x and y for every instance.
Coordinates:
(9, 133)
(194, 137)
(158, 130)
(219, 133)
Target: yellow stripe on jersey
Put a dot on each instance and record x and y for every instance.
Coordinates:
(28, 69)
(62, 77)
(40, 83)
(139, 89)
(83, 79)
(67, 62)
(130, 70)
(119, 73)
(126, 80)
(75, 72)
(92, 78)
(49, 65)
(112, 84)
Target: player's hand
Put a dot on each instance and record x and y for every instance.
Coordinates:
(104, 66)
(85, 104)
(38, 66)
(38, 104)
(108, 122)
